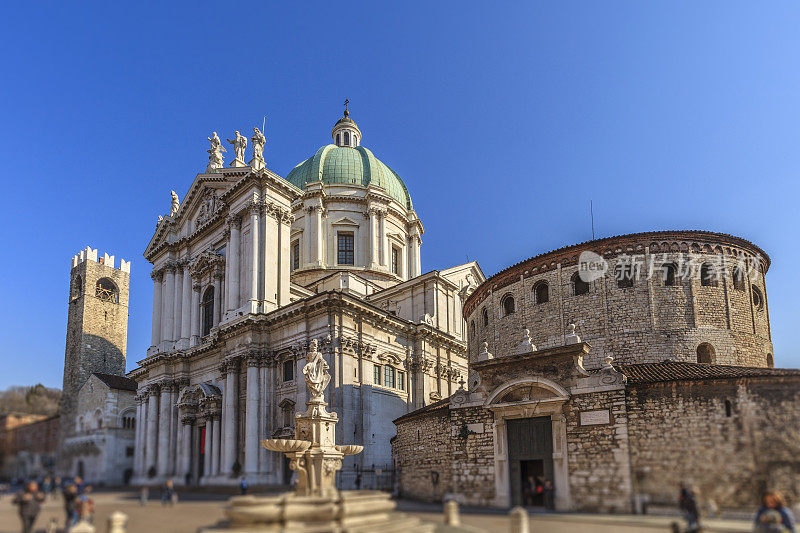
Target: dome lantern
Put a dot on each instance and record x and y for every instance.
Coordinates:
(345, 132)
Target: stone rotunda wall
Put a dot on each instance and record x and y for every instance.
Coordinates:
(649, 321)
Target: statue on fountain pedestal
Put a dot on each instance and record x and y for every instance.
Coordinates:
(316, 373)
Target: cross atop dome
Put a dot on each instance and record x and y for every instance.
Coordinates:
(345, 132)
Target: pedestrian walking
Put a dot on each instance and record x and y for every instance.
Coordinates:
(29, 501)
(687, 501)
(243, 486)
(144, 494)
(773, 516)
(71, 505)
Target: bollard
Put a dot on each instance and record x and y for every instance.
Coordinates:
(117, 522)
(52, 527)
(451, 516)
(519, 520)
(82, 527)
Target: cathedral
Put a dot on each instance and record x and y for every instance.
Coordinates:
(248, 269)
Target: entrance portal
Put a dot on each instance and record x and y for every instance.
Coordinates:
(530, 458)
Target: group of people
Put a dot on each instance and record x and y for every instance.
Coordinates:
(539, 491)
(78, 503)
(773, 516)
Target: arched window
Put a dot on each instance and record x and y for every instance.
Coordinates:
(508, 305)
(758, 300)
(728, 408)
(708, 275)
(624, 275)
(578, 285)
(668, 274)
(77, 287)
(106, 290)
(485, 317)
(541, 292)
(338, 139)
(207, 310)
(738, 279)
(347, 138)
(770, 361)
(705, 353)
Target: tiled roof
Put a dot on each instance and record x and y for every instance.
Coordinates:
(681, 371)
(117, 382)
(435, 406)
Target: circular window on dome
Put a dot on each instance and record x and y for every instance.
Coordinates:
(758, 300)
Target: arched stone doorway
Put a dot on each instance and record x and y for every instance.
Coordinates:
(530, 437)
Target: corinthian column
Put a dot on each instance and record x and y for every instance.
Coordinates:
(218, 304)
(155, 337)
(138, 444)
(167, 308)
(232, 259)
(382, 244)
(195, 339)
(270, 270)
(186, 307)
(284, 253)
(207, 449)
(177, 302)
(229, 422)
(372, 248)
(255, 220)
(214, 445)
(316, 236)
(251, 438)
(152, 427)
(164, 420)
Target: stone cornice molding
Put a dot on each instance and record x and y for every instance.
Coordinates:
(679, 241)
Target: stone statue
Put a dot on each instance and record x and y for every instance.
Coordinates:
(215, 158)
(239, 144)
(258, 141)
(176, 203)
(316, 373)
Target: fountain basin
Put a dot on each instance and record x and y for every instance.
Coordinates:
(349, 449)
(286, 445)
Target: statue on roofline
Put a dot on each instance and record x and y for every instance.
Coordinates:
(239, 144)
(215, 158)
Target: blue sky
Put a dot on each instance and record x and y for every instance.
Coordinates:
(504, 123)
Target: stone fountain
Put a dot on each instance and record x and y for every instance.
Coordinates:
(316, 506)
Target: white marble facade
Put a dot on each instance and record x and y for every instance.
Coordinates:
(247, 270)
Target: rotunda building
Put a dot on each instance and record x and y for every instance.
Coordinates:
(693, 296)
(356, 215)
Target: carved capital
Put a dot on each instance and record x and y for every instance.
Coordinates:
(233, 221)
(157, 275)
(154, 389)
(254, 207)
(253, 358)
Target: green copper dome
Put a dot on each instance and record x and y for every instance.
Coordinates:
(354, 165)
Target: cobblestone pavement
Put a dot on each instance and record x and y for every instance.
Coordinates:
(197, 510)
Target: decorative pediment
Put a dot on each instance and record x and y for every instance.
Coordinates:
(345, 221)
(529, 389)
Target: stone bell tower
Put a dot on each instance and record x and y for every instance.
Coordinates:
(97, 326)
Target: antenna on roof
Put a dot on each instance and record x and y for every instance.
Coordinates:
(591, 214)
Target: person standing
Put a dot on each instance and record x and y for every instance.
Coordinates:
(773, 515)
(29, 501)
(549, 495)
(243, 486)
(144, 494)
(167, 492)
(71, 505)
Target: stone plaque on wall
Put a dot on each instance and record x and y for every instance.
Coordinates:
(594, 418)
